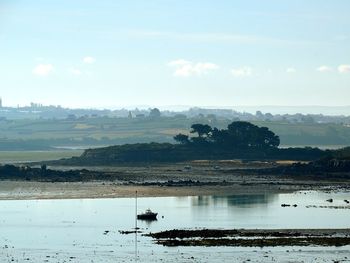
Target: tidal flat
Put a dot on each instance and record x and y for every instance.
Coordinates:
(87, 230)
(198, 178)
(82, 221)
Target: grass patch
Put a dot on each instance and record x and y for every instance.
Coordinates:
(35, 156)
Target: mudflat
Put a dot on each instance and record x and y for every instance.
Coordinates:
(180, 179)
(253, 237)
(19, 190)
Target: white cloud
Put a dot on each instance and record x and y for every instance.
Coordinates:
(344, 69)
(89, 60)
(185, 68)
(75, 71)
(324, 69)
(242, 72)
(43, 69)
(291, 70)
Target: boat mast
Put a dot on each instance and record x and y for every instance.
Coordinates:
(136, 226)
(136, 210)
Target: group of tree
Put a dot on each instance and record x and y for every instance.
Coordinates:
(240, 140)
(239, 134)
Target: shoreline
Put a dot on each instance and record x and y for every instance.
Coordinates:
(23, 190)
(198, 178)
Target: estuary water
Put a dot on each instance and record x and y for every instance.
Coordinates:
(87, 230)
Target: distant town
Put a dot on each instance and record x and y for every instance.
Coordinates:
(41, 111)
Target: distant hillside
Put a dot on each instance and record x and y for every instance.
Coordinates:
(89, 131)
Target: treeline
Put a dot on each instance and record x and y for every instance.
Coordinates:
(241, 140)
(239, 134)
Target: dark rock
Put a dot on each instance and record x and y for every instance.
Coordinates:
(285, 205)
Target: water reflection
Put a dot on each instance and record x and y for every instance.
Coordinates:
(234, 200)
(148, 223)
(77, 228)
(136, 252)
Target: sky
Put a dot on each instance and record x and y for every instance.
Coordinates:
(112, 54)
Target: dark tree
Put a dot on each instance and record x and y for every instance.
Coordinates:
(220, 137)
(245, 134)
(154, 113)
(200, 141)
(267, 138)
(201, 129)
(181, 138)
(238, 135)
(241, 133)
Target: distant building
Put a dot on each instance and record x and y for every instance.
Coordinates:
(0, 103)
(35, 105)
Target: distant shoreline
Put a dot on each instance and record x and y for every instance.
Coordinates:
(22, 190)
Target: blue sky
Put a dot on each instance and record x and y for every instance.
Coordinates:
(206, 53)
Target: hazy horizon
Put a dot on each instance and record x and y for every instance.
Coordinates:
(274, 109)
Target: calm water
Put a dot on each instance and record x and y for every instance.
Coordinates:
(58, 230)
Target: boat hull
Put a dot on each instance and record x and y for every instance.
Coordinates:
(149, 217)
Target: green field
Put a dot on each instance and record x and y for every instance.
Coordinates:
(44, 134)
(7, 157)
